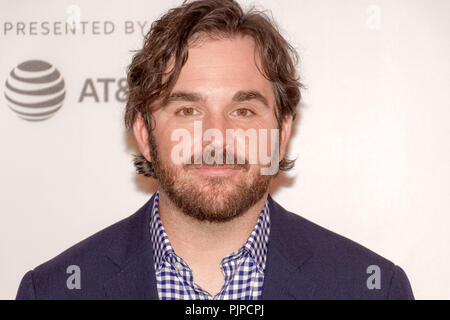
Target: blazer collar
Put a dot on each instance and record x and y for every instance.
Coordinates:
(132, 253)
(288, 251)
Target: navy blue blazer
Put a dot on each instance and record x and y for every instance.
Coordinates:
(305, 261)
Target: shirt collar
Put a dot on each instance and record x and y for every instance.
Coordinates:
(256, 244)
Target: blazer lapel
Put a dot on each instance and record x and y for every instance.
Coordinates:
(136, 281)
(287, 252)
(132, 253)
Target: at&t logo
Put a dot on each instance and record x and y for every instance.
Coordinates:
(35, 90)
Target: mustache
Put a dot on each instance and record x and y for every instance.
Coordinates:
(237, 163)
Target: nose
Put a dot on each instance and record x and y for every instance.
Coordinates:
(218, 122)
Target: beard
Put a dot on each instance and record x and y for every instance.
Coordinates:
(211, 198)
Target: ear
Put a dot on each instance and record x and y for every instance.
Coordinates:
(286, 130)
(141, 134)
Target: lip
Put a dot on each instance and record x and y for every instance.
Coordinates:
(216, 170)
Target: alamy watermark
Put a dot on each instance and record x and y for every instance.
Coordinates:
(374, 281)
(74, 280)
(212, 154)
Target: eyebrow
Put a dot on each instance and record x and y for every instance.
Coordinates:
(240, 96)
(184, 96)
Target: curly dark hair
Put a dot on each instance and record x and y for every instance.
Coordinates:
(168, 40)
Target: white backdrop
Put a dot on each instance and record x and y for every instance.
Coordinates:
(372, 142)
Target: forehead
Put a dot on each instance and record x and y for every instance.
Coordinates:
(217, 65)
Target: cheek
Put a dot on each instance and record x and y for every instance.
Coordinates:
(162, 134)
(175, 144)
(164, 145)
(268, 145)
(268, 138)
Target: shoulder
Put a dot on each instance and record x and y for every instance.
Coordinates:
(341, 267)
(95, 259)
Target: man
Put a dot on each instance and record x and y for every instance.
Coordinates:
(209, 79)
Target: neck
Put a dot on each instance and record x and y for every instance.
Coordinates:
(202, 241)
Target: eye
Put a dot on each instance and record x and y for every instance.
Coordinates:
(243, 112)
(187, 111)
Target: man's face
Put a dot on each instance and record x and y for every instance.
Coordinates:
(220, 88)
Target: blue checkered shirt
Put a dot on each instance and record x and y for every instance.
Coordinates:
(243, 269)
